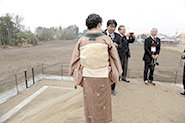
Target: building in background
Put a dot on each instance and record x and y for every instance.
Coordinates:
(181, 39)
(167, 41)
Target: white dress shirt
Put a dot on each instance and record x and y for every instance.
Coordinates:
(153, 37)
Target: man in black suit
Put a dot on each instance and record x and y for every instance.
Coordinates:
(110, 31)
(183, 57)
(152, 50)
(124, 51)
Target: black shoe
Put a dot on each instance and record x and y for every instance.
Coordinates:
(125, 80)
(183, 93)
(114, 92)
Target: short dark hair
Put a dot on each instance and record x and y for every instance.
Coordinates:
(111, 22)
(119, 28)
(93, 20)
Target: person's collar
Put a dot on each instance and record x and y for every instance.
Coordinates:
(153, 37)
(121, 34)
(109, 33)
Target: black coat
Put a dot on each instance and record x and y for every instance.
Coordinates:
(117, 39)
(147, 47)
(125, 50)
(183, 57)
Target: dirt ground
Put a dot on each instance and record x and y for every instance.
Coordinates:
(16, 60)
(135, 102)
(178, 49)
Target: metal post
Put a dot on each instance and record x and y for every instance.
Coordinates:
(176, 77)
(61, 72)
(33, 76)
(42, 71)
(16, 84)
(26, 80)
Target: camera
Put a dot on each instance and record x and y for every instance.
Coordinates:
(154, 62)
(157, 63)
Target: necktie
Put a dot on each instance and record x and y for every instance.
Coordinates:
(154, 39)
(110, 36)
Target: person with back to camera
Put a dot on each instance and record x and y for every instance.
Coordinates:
(95, 63)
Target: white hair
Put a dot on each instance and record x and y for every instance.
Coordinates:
(155, 29)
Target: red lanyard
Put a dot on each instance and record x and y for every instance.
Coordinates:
(153, 44)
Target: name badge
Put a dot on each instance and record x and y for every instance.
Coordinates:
(153, 49)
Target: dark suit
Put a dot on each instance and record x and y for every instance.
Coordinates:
(148, 56)
(125, 50)
(116, 39)
(124, 53)
(184, 73)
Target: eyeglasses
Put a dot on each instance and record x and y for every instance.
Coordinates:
(111, 26)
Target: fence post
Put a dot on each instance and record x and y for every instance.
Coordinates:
(42, 71)
(26, 80)
(33, 76)
(176, 77)
(61, 72)
(16, 84)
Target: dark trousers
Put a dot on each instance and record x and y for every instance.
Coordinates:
(113, 86)
(184, 78)
(124, 63)
(147, 67)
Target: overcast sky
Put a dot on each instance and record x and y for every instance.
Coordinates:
(137, 15)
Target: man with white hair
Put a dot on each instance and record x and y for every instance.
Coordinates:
(152, 50)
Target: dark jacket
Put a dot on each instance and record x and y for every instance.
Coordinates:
(183, 57)
(125, 50)
(147, 47)
(117, 39)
